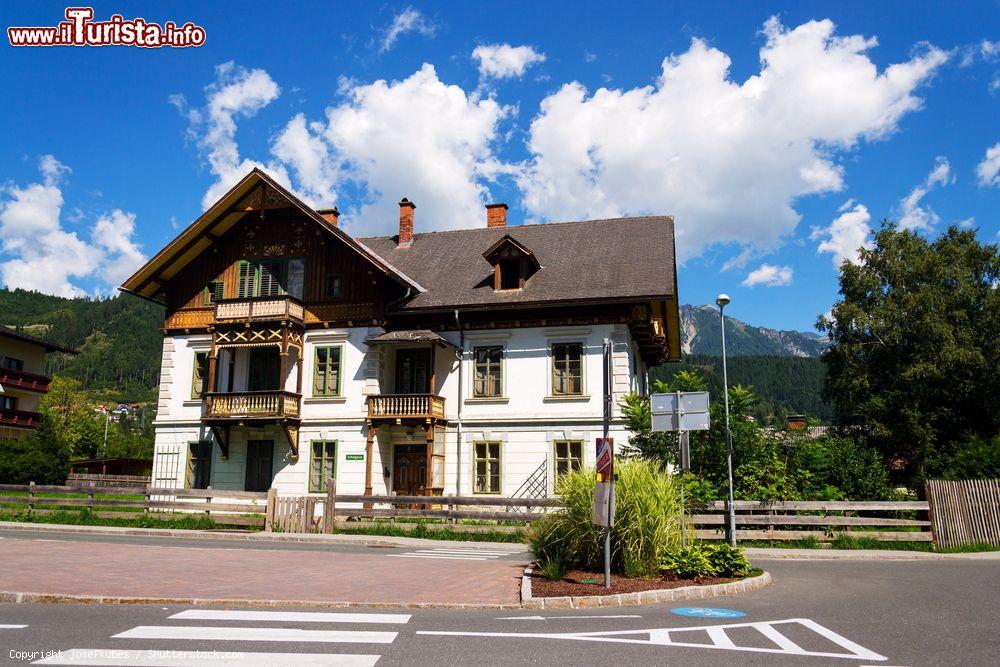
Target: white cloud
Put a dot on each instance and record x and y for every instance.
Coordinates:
(989, 50)
(503, 61)
(988, 171)
(420, 138)
(912, 214)
(237, 92)
(727, 158)
(847, 233)
(769, 275)
(967, 223)
(310, 157)
(40, 255)
(408, 20)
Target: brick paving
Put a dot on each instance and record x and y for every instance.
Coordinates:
(132, 570)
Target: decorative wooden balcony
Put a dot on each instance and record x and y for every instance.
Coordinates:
(398, 407)
(24, 381)
(19, 418)
(251, 405)
(260, 309)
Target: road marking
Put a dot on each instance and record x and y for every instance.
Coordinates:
(720, 640)
(169, 658)
(574, 618)
(219, 633)
(457, 553)
(12, 627)
(289, 616)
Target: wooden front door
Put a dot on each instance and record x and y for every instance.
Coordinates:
(260, 461)
(413, 371)
(409, 474)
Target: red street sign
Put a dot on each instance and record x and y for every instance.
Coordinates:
(605, 458)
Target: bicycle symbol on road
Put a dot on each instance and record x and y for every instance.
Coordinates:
(707, 612)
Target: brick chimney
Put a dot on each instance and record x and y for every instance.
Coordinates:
(332, 215)
(406, 208)
(496, 215)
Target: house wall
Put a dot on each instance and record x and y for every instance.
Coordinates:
(527, 419)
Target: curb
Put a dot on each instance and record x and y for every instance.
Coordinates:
(755, 553)
(7, 597)
(683, 593)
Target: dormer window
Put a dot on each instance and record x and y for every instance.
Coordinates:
(513, 264)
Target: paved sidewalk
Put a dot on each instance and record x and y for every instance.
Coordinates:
(103, 570)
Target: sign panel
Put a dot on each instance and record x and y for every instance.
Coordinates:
(355, 457)
(680, 411)
(605, 458)
(604, 505)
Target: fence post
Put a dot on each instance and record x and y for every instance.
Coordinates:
(208, 502)
(31, 497)
(90, 498)
(272, 501)
(330, 516)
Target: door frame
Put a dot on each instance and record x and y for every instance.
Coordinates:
(415, 453)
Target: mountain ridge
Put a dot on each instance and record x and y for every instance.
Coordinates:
(700, 334)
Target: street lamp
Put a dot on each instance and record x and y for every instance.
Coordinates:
(722, 301)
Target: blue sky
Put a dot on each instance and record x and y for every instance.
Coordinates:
(776, 133)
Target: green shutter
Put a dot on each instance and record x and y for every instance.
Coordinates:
(247, 280)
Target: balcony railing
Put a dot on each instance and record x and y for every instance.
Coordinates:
(19, 418)
(259, 309)
(251, 405)
(25, 381)
(405, 406)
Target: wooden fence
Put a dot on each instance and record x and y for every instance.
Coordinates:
(87, 479)
(233, 508)
(965, 512)
(822, 520)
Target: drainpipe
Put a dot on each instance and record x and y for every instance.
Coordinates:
(458, 421)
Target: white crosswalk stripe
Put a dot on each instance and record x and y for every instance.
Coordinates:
(12, 627)
(230, 636)
(457, 553)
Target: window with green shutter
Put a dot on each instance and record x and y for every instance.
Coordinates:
(247, 275)
(487, 379)
(199, 464)
(270, 278)
(569, 456)
(487, 467)
(567, 369)
(322, 464)
(198, 384)
(326, 371)
(214, 291)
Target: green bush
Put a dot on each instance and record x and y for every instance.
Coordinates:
(647, 521)
(41, 457)
(688, 562)
(728, 561)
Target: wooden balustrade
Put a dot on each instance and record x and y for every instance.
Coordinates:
(19, 418)
(23, 380)
(259, 308)
(251, 404)
(405, 406)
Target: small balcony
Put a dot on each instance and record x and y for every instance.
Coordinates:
(24, 381)
(19, 418)
(251, 405)
(260, 309)
(399, 407)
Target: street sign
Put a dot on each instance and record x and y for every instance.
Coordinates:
(680, 411)
(355, 457)
(604, 488)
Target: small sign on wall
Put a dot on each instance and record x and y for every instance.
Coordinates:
(355, 457)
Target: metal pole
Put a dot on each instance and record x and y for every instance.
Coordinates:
(729, 436)
(611, 482)
(107, 420)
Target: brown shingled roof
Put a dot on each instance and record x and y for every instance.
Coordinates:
(49, 347)
(618, 258)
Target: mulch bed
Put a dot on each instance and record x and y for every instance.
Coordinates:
(580, 582)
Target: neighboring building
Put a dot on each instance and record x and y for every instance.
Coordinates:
(465, 361)
(22, 380)
(115, 465)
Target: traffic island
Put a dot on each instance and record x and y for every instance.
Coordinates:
(583, 590)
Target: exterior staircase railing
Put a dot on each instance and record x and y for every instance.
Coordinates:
(535, 486)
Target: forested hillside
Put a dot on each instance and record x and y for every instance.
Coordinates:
(784, 385)
(702, 334)
(118, 339)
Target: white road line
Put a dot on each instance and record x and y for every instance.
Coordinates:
(12, 627)
(781, 640)
(194, 632)
(552, 618)
(465, 551)
(438, 557)
(168, 658)
(720, 638)
(289, 616)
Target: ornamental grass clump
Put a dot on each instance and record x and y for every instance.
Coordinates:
(647, 522)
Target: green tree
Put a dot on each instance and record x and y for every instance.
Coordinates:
(915, 358)
(41, 457)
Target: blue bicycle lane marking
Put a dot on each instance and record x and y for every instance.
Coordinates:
(707, 612)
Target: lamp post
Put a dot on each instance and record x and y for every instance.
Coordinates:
(722, 301)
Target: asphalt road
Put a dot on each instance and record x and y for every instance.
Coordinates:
(867, 613)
